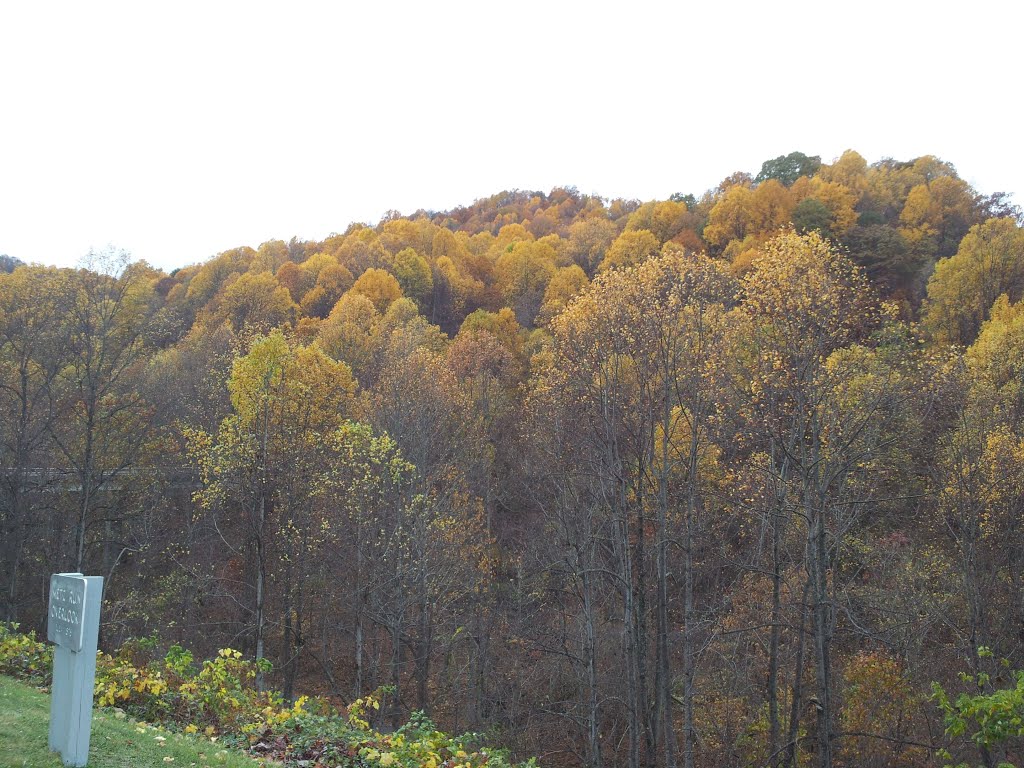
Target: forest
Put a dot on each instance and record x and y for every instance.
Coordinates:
(730, 479)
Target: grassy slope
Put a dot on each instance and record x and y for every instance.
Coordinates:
(115, 743)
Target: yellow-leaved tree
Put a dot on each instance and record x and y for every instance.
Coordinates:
(979, 475)
(33, 352)
(988, 263)
(624, 406)
(826, 375)
(263, 476)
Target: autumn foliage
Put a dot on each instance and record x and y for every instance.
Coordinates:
(725, 479)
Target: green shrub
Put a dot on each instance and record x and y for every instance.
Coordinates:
(219, 699)
(220, 696)
(24, 657)
(991, 718)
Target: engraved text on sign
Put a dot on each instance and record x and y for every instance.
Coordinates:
(67, 612)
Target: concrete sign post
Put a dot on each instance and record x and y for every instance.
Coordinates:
(74, 625)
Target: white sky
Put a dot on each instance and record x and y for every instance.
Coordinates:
(177, 130)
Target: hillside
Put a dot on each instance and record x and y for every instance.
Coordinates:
(726, 479)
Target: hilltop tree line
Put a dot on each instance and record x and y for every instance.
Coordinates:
(710, 481)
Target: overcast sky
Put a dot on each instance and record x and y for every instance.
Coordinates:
(178, 130)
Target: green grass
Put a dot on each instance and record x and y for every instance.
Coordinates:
(116, 742)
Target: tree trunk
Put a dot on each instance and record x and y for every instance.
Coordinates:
(796, 705)
(590, 655)
(359, 653)
(641, 632)
(633, 698)
(774, 726)
(689, 651)
(396, 674)
(663, 676)
(288, 687)
(85, 497)
(778, 524)
(822, 627)
(13, 541)
(261, 578)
